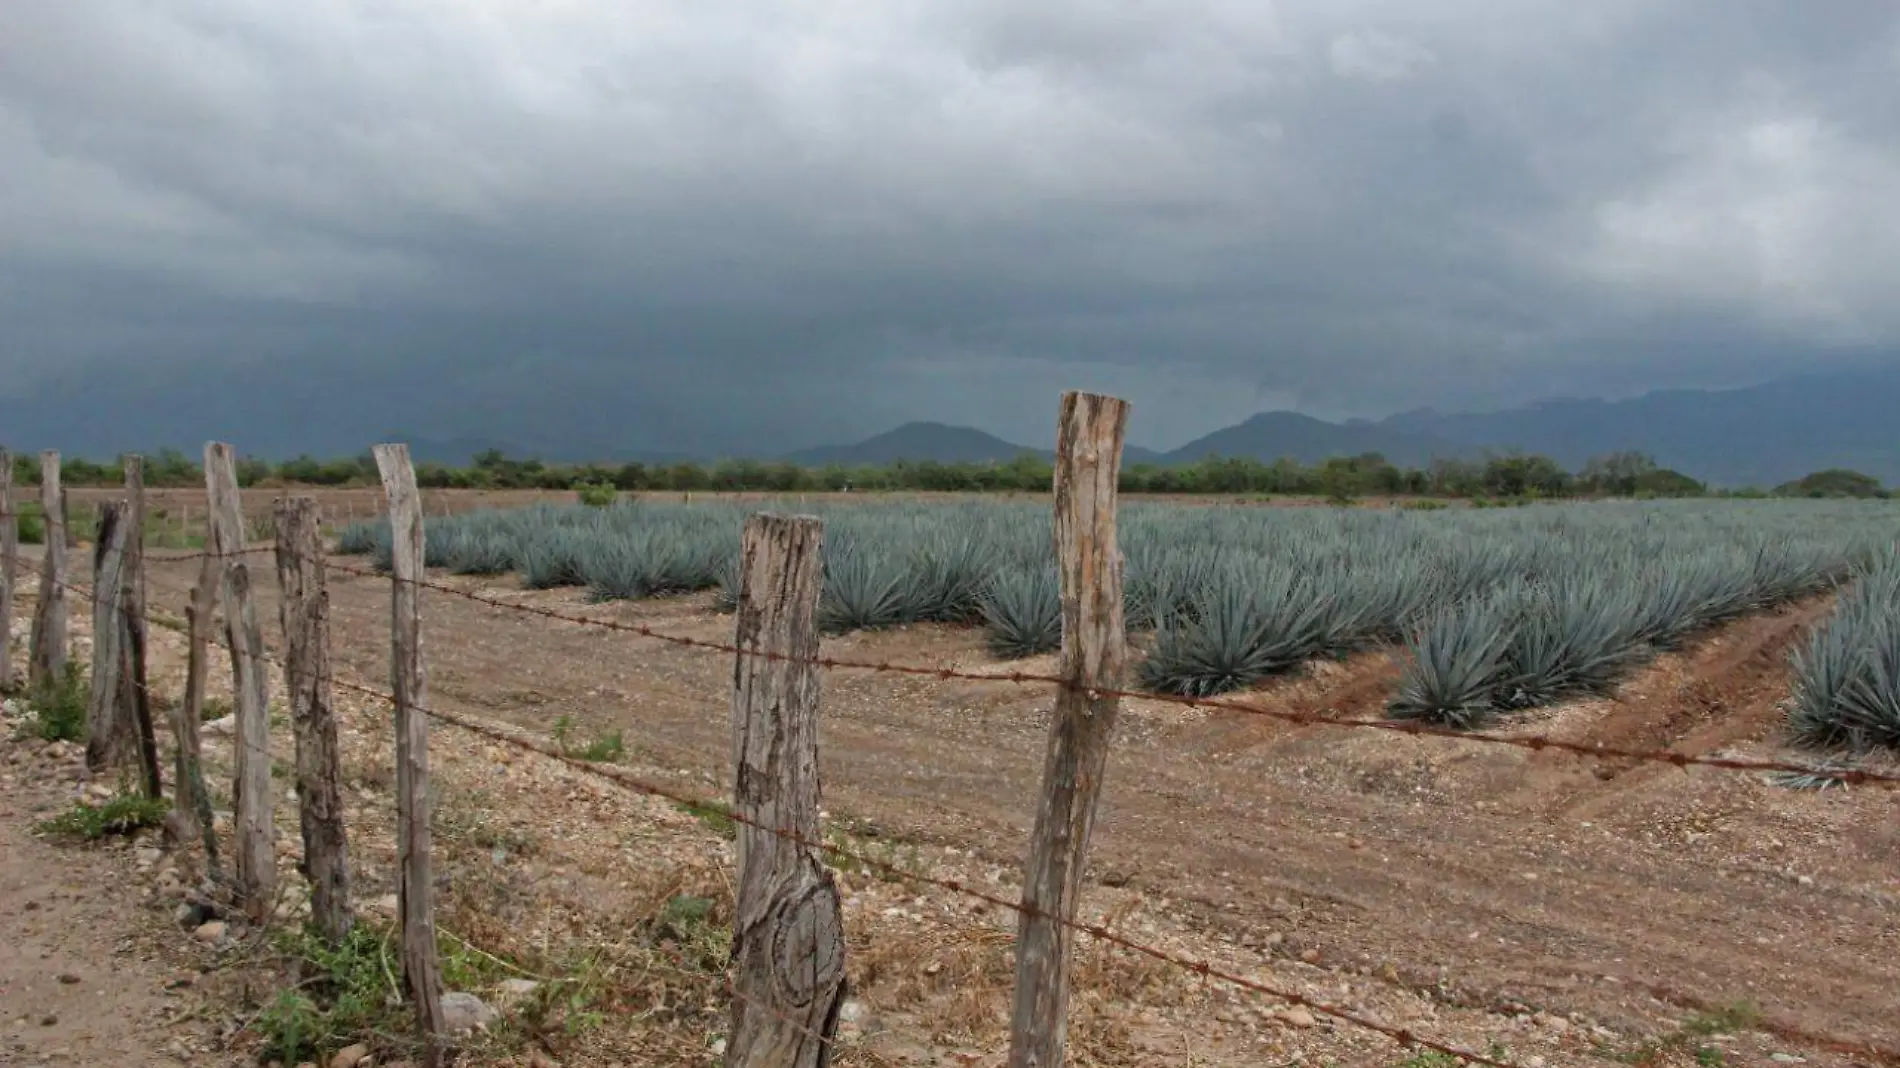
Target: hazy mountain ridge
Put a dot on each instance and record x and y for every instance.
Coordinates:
(1758, 435)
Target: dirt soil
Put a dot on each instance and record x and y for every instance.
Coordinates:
(1553, 908)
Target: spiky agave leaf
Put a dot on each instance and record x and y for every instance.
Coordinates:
(727, 599)
(1453, 668)
(359, 539)
(1235, 633)
(481, 552)
(616, 569)
(863, 590)
(1022, 613)
(551, 558)
(948, 580)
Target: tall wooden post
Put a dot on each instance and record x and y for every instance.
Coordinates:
(46, 663)
(305, 608)
(788, 934)
(256, 834)
(111, 736)
(138, 695)
(1094, 654)
(192, 801)
(9, 567)
(422, 971)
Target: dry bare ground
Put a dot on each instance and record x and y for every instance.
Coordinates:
(1549, 910)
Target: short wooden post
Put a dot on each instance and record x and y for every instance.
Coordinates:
(1094, 654)
(192, 801)
(138, 695)
(788, 933)
(256, 834)
(422, 971)
(111, 738)
(9, 567)
(46, 664)
(305, 609)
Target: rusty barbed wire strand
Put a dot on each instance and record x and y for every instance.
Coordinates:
(514, 736)
(1534, 743)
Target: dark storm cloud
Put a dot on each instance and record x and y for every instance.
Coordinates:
(721, 224)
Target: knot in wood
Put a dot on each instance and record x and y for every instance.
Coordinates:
(807, 944)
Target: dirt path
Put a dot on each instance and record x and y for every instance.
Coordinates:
(1440, 866)
(89, 973)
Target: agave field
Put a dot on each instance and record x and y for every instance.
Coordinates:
(1846, 679)
(1496, 610)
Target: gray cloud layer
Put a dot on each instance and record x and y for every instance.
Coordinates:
(712, 222)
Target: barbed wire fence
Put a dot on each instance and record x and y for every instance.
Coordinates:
(775, 655)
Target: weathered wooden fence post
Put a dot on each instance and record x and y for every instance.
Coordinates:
(788, 934)
(110, 733)
(305, 608)
(46, 657)
(138, 695)
(1094, 654)
(256, 834)
(192, 801)
(9, 567)
(422, 971)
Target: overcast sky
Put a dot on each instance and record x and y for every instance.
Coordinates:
(703, 222)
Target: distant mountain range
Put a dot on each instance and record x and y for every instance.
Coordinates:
(937, 442)
(1760, 435)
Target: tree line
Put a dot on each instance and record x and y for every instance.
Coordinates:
(1510, 476)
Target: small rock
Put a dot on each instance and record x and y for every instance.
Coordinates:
(226, 725)
(1311, 956)
(350, 1056)
(210, 933)
(538, 1059)
(719, 1048)
(1787, 1058)
(513, 991)
(1806, 880)
(465, 1012)
(99, 791)
(1297, 1017)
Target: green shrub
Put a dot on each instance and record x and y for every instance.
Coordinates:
(59, 708)
(596, 494)
(32, 523)
(343, 995)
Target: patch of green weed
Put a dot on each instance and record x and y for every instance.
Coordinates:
(606, 749)
(124, 814)
(1739, 1016)
(340, 995)
(690, 930)
(1430, 1058)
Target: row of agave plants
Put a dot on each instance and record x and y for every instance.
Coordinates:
(1845, 680)
(1578, 620)
(1500, 610)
